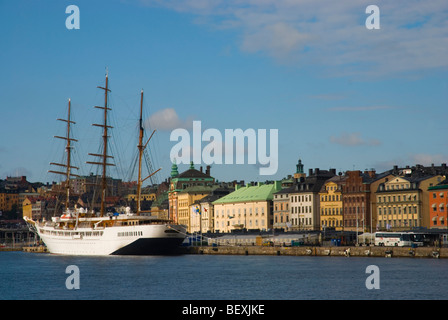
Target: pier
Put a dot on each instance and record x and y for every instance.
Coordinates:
(338, 251)
(14, 239)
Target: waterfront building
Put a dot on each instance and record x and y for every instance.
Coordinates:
(281, 202)
(374, 184)
(438, 205)
(331, 213)
(403, 202)
(248, 207)
(185, 200)
(179, 182)
(304, 200)
(204, 210)
(356, 200)
(281, 207)
(34, 207)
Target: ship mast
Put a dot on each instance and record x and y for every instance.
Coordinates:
(140, 153)
(68, 165)
(104, 155)
(141, 148)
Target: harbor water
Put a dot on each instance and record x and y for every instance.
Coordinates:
(38, 276)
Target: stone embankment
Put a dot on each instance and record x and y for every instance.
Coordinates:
(420, 252)
(40, 249)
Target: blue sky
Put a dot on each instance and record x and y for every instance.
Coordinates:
(340, 95)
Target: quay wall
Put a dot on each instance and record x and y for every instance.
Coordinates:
(420, 252)
(25, 248)
(10, 249)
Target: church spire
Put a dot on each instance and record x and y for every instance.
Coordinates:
(299, 167)
(299, 170)
(174, 172)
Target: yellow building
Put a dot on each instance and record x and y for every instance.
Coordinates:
(379, 179)
(179, 182)
(8, 199)
(202, 211)
(143, 197)
(403, 202)
(331, 214)
(248, 207)
(185, 200)
(33, 207)
(27, 207)
(281, 209)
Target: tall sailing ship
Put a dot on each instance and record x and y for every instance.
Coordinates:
(77, 232)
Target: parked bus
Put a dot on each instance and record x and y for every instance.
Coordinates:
(397, 239)
(426, 238)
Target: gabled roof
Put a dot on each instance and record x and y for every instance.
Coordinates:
(312, 183)
(338, 180)
(193, 173)
(416, 179)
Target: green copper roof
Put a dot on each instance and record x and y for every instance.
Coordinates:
(174, 172)
(299, 167)
(199, 189)
(261, 192)
(439, 187)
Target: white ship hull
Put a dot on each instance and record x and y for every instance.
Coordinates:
(144, 239)
(77, 233)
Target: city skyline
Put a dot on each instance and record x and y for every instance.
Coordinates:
(341, 96)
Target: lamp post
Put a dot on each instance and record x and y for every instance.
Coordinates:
(357, 223)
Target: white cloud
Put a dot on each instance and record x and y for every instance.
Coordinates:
(167, 120)
(278, 40)
(412, 36)
(353, 139)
